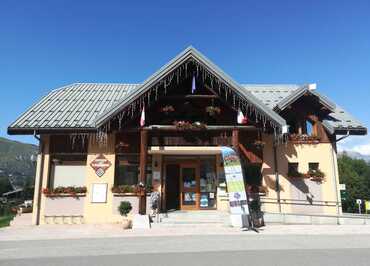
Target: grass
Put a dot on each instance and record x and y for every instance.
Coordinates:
(5, 220)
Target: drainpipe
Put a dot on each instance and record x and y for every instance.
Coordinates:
(41, 173)
(277, 177)
(335, 165)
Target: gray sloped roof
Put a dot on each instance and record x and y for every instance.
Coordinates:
(284, 103)
(74, 107)
(339, 121)
(185, 55)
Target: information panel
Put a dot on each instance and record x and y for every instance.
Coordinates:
(99, 193)
(234, 181)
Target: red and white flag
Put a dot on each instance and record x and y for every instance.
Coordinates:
(241, 118)
(142, 117)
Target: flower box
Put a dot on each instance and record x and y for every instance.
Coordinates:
(316, 175)
(186, 125)
(304, 139)
(65, 192)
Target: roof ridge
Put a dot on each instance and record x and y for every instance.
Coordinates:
(106, 83)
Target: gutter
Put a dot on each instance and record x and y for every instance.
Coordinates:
(41, 174)
(277, 181)
(344, 137)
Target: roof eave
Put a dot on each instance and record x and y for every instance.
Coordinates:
(49, 130)
(173, 64)
(298, 94)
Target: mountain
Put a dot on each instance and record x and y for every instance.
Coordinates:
(17, 162)
(356, 155)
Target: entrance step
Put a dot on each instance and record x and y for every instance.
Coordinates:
(204, 217)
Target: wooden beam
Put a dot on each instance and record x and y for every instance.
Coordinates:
(251, 156)
(142, 167)
(235, 140)
(190, 96)
(225, 127)
(222, 99)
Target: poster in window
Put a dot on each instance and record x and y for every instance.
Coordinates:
(99, 193)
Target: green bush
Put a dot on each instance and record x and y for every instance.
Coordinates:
(124, 208)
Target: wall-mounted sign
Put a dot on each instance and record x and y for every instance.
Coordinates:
(99, 193)
(100, 165)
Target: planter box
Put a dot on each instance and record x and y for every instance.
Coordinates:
(62, 195)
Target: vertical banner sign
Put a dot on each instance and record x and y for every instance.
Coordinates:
(234, 181)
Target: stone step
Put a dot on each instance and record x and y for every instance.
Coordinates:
(195, 218)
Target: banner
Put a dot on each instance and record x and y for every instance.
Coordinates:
(234, 181)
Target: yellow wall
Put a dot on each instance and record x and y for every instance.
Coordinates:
(303, 154)
(322, 153)
(100, 212)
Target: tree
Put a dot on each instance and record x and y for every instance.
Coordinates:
(355, 173)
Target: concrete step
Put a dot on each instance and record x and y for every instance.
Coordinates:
(196, 218)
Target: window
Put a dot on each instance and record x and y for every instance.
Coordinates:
(309, 128)
(313, 166)
(127, 170)
(293, 170)
(67, 173)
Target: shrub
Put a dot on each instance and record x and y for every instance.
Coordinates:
(124, 208)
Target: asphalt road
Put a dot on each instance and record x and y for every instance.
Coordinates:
(249, 249)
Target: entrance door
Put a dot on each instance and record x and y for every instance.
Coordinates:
(189, 186)
(172, 187)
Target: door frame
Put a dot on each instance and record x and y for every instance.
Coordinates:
(196, 165)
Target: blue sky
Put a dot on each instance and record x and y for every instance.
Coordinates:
(48, 44)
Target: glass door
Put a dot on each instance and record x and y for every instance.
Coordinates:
(207, 184)
(189, 185)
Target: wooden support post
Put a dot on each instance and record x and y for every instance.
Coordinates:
(142, 176)
(235, 140)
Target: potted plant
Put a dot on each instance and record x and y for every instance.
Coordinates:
(259, 144)
(316, 175)
(167, 109)
(295, 174)
(256, 213)
(124, 189)
(124, 208)
(213, 110)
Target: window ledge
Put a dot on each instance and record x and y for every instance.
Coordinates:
(57, 195)
(125, 194)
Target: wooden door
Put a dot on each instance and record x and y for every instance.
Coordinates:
(189, 186)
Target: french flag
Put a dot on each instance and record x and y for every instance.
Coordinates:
(193, 85)
(241, 118)
(142, 117)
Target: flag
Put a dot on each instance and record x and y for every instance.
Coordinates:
(241, 118)
(142, 117)
(193, 87)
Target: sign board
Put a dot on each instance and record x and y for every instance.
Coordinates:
(342, 186)
(359, 201)
(156, 176)
(100, 165)
(367, 206)
(234, 181)
(99, 193)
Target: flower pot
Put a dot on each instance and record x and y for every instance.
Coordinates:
(126, 223)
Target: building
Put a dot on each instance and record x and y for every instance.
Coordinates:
(94, 153)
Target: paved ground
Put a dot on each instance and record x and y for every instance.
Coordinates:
(116, 231)
(243, 249)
